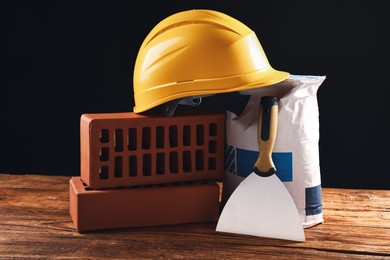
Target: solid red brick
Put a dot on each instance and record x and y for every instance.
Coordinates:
(128, 149)
(142, 206)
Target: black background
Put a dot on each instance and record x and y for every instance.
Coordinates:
(62, 59)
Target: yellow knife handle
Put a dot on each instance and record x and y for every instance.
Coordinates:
(267, 127)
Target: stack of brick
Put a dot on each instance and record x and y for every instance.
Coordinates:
(139, 170)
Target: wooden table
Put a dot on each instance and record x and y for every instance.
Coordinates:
(35, 224)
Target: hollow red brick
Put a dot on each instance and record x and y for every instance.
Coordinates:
(142, 206)
(128, 149)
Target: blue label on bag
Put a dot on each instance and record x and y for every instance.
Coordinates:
(313, 199)
(240, 162)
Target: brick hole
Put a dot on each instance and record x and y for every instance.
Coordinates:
(118, 166)
(160, 136)
(186, 135)
(103, 173)
(146, 138)
(173, 136)
(118, 140)
(212, 163)
(212, 146)
(132, 166)
(146, 165)
(104, 154)
(200, 134)
(173, 162)
(212, 129)
(160, 164)
(187, 161)
(199, 160)
(104, 136)
(132, 139)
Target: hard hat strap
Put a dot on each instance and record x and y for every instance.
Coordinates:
(170, 107)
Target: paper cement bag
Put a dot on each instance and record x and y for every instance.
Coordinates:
(296, 150)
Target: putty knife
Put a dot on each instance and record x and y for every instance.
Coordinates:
(261, 205)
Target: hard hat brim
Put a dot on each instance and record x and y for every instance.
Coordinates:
(166, 93)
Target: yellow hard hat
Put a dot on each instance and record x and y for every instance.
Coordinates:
(199, 52)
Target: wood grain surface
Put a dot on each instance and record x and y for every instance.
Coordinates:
(35, 224)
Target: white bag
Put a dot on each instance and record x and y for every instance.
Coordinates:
(296, 150)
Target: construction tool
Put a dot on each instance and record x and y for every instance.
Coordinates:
(261, 205)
